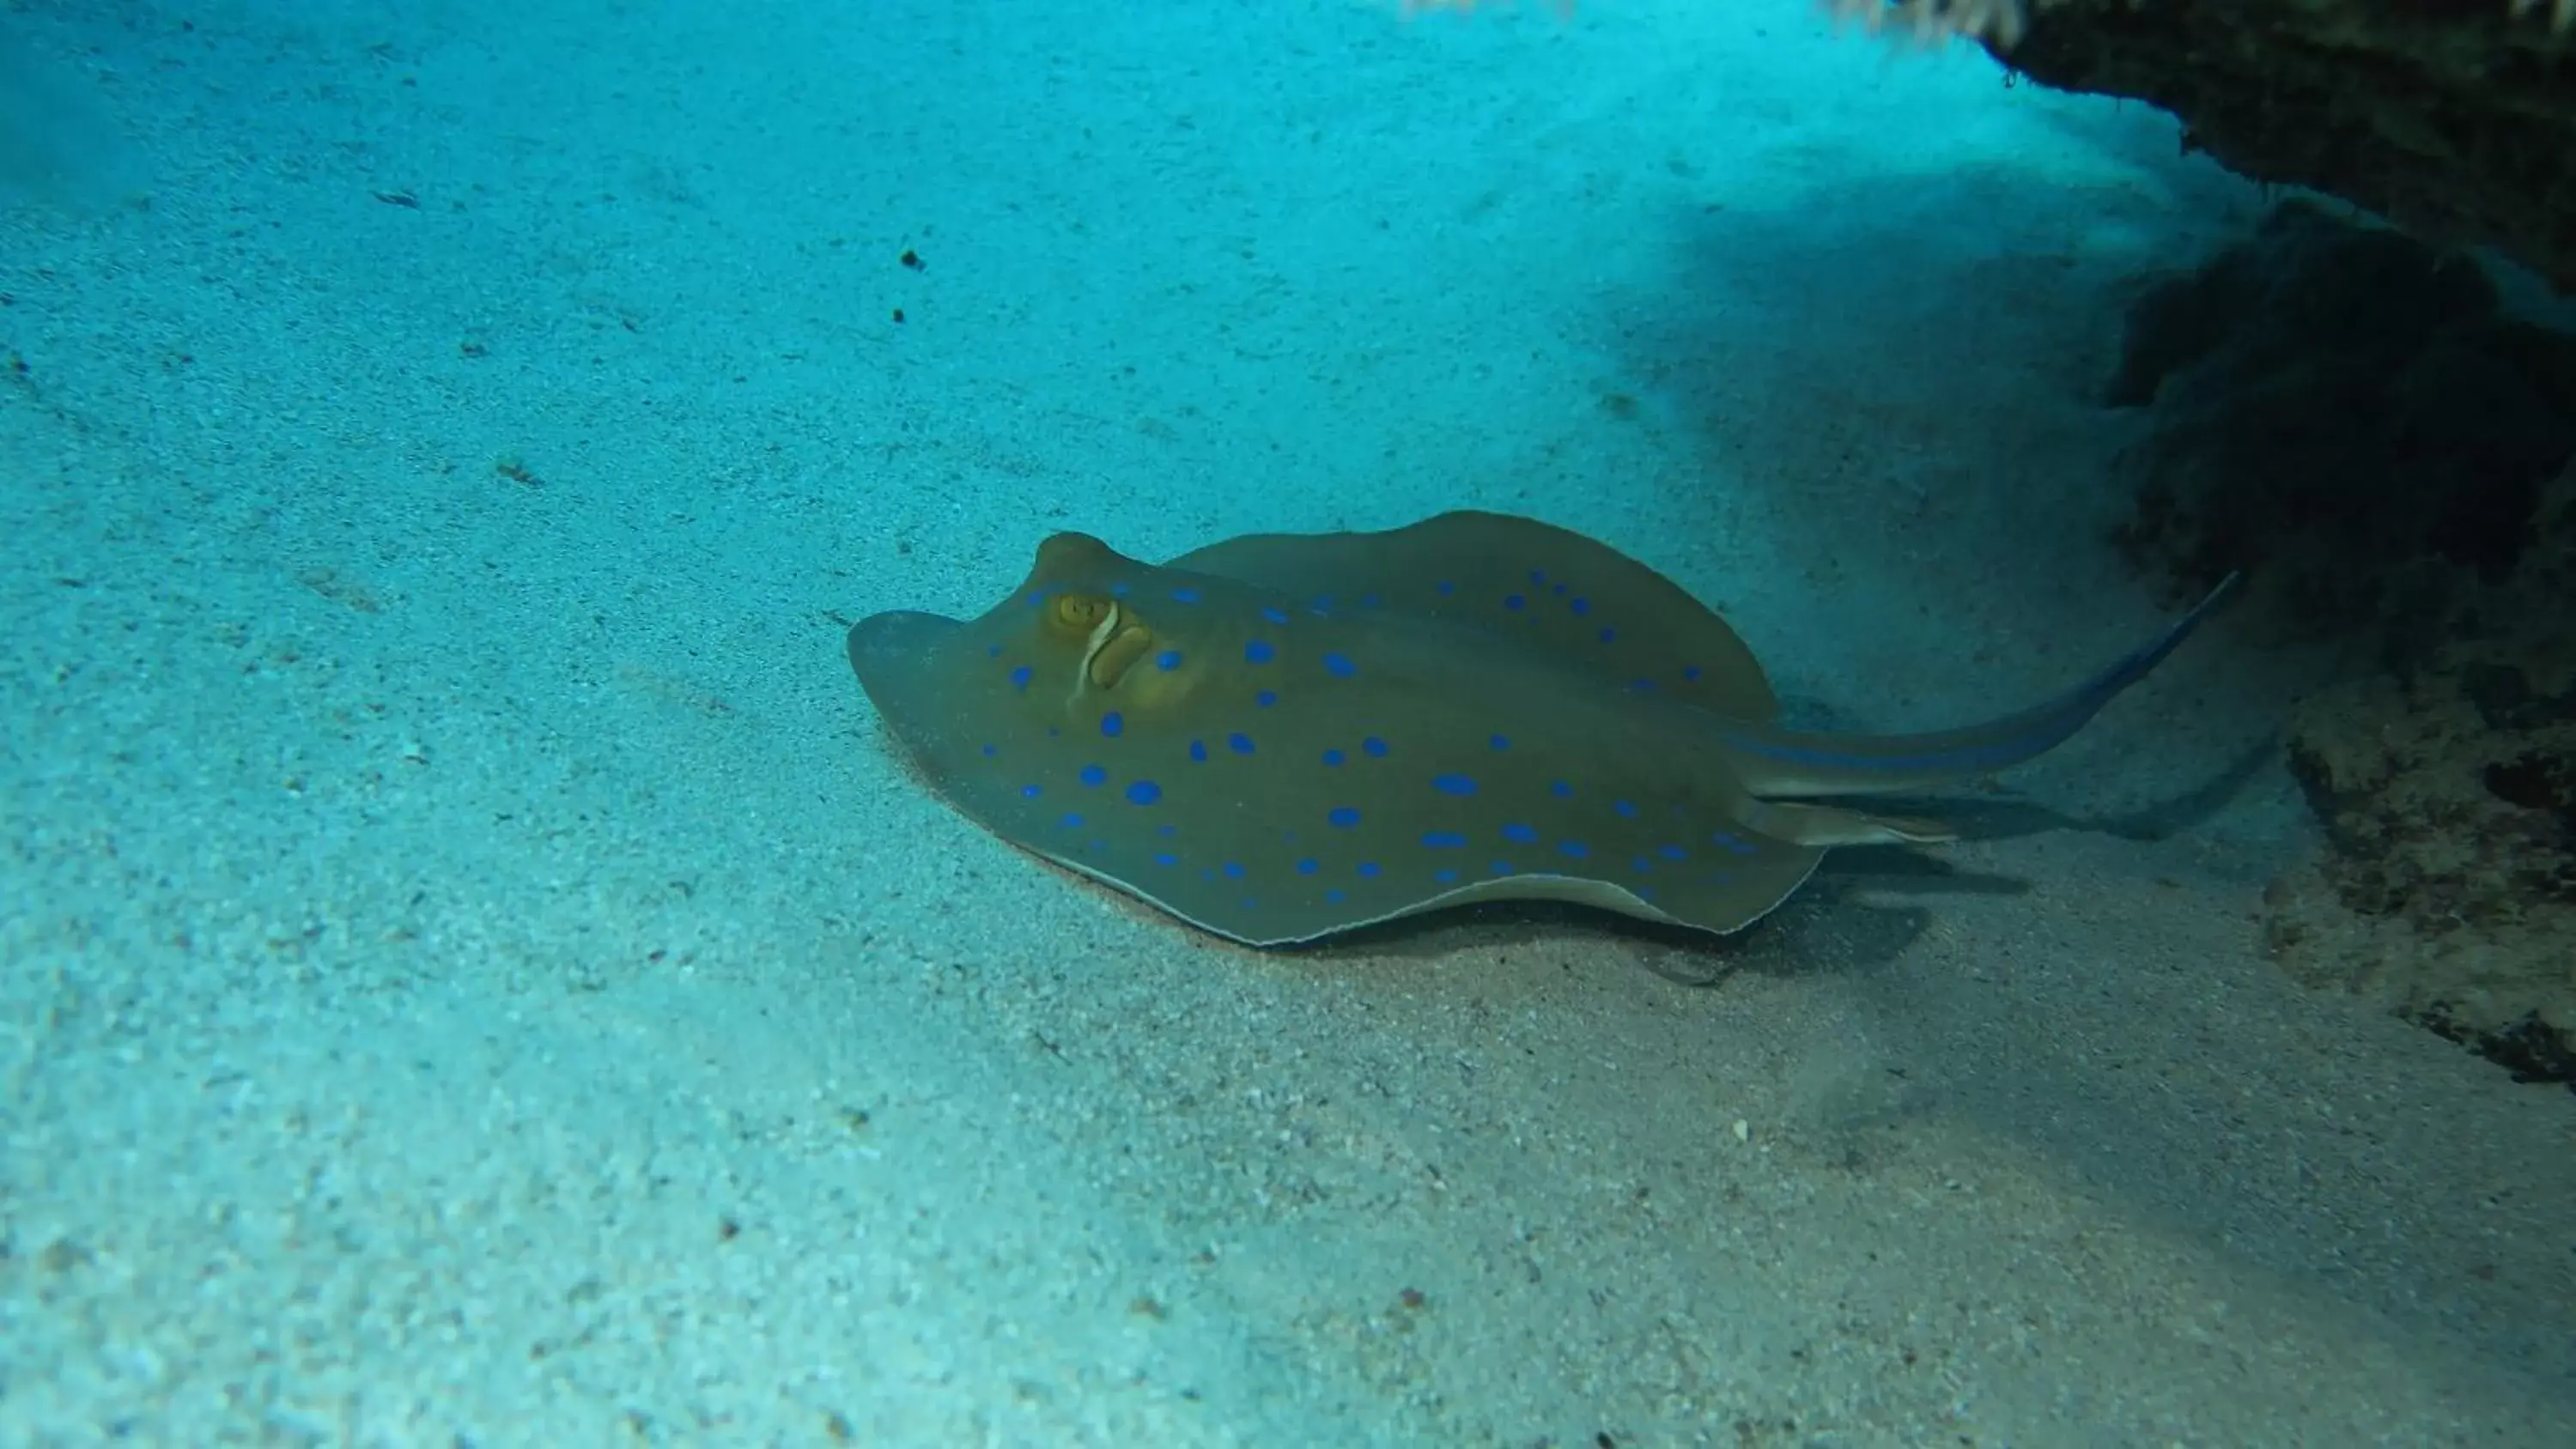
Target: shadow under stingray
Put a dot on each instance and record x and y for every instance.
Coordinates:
(2005, 818)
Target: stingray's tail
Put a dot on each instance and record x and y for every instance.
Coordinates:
(1780, 762)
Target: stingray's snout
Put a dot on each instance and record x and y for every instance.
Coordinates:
(891, 651)
(893, 637)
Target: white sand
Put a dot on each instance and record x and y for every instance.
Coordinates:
(453, 927)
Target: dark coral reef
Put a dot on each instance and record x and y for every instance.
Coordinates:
(2455, 119)
(2353, 418)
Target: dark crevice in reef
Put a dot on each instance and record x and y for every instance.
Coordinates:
(2340, 399)
(2352, 418)
(2529, 1048)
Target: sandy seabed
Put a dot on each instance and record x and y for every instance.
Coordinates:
(475, 972)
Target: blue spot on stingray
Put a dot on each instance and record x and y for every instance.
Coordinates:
(1185, 596)
(1117, 591)
(1514, 601)
(1198, 751)
(1030, 792)
(1241, 744)
(1021, 676)
(1608, 636)
(1581, 606)
(1641, 865)
(1538, 576)
(1736, 843)
(1332, 757)
(1560, 591)
(1371, 601)
(1624, 809)
(991, 750)
(992, 651)
(1445, 586)
(1094, 775)
(1166, 858)
(1690, 671)
(1071, 822)
(1573, 849)
(1266, 698)
(1375, 747)
(1308, 866)
(1641, 686)
(1113, 724)
(1445, 877)
(1560, 789)
(1340, 666)
(1168, 660)
(1500, 742)
(1320, 604)
(1259, 651)
(1234, 870)
(1274, 613)
(1335, 896)
(1453, 784)
(1672, 852)
(1144, 792)
(1167, 831)
(1521, 834)
(1643, 893)
(1369, 868)
(1444, 840)
(1342, 817)
(1503, 867)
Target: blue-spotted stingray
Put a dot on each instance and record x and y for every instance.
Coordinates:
(1280, 737)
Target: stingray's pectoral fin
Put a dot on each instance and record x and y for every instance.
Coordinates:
(1825, 825)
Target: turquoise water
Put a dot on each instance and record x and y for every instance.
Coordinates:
(476, 971)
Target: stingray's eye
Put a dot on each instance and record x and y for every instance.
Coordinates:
(1110, 662)
(1079, 613)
